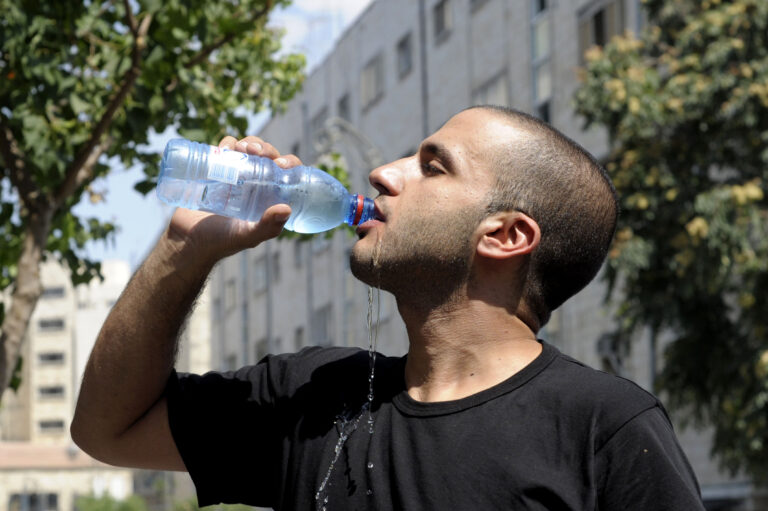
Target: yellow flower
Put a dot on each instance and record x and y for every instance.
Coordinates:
(697, 228)
(762, 365)
(624, 234)
(746, 300)
(675, 104)
(684, 259)
(593, 53)
(753, 191)
(671, 194)
(634, 105)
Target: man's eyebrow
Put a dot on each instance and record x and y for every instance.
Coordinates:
(440, 151)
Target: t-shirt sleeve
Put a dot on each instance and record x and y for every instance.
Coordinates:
(220, 422)
(642, 467)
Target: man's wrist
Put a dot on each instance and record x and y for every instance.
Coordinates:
(182, 258)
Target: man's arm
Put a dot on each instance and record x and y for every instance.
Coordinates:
(121, 416)
(642, 467)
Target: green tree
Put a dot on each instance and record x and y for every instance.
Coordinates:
(191, 505)
(686, 107)
(82, 82)
(107, 503)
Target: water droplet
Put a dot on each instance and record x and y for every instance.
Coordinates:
(325, 500)
(370, 464)
(369, 492)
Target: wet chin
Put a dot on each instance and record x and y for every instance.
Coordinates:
(361, 265)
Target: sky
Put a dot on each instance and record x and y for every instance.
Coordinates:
(311, 27)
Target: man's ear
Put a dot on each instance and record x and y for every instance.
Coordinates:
(508, 234)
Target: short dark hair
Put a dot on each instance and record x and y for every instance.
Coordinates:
(569, 194)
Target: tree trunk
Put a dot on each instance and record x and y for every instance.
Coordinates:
(27, 290)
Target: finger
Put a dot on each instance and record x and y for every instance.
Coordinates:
(254, 145)
(254, 141)
(271, 224)
(228, 142)
(287, 161)
(263, 149)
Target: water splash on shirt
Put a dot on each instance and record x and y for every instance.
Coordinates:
(346, 424)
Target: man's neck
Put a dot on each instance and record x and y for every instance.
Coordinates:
(459, 350)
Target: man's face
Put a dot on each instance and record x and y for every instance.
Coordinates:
(431, 204)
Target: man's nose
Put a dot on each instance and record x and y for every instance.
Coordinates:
(388, 179)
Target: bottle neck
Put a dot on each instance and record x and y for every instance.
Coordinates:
(360, 210)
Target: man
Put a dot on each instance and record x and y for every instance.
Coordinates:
(493, 223)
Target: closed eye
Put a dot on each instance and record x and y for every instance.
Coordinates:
(430, 170)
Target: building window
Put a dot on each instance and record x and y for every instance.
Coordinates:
(33, 502)
(275, 269)
(321, 326)
(51, 325)
(342, 108)
(230, 295)
(51, 392)
(404, 56)
(320, 244)
(443, 21)
(260, 275)
(50, 358)
(317, 124)
(475, 5)
(298, 338)
(598, 23)
(372, 81)
(541, 37)
(492, 92)
(51, 426)
(53, 292)
(298, 253)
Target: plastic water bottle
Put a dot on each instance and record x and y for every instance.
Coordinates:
(235, 184)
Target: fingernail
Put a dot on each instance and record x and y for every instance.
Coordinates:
(281, 161)
(241, 146)
(255, 147)
(282, 217)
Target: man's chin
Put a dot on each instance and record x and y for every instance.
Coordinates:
(361, 264)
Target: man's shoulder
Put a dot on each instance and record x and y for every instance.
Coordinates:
(598, 385)
(608, 401)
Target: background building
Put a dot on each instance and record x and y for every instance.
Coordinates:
(395, 76)
(40, 467)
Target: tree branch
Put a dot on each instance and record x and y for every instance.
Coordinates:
(14, 162)
(79, 171)
(130, 19)
(206, 51)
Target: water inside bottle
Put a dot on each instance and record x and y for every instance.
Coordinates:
(313, 212)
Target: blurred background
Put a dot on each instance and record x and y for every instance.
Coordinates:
(671, 95)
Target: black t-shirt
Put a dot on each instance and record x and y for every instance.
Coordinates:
(557, 435)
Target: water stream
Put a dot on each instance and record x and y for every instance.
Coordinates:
(347, 423)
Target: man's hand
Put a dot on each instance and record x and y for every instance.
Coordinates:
(121, 415)
(213, 237)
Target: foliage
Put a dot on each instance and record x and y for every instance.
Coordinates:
(191, 505)
(107, 503)
(686, 107)
(84, 82)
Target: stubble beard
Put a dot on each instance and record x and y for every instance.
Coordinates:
(424, 264)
